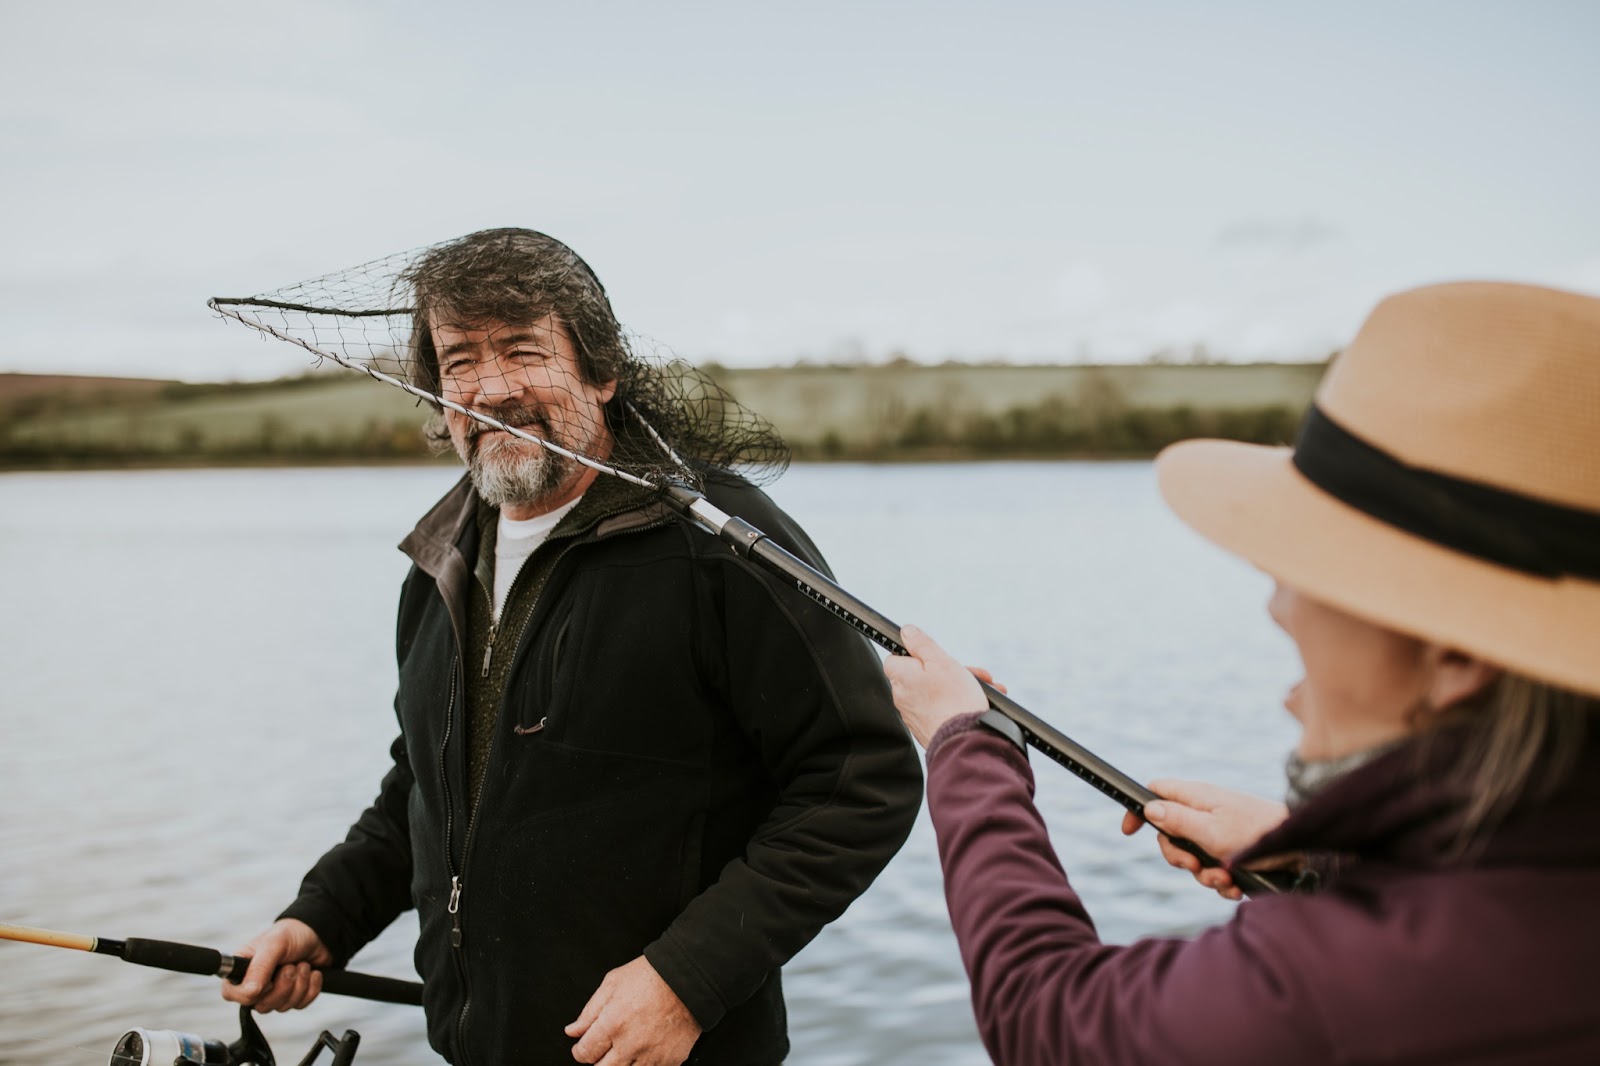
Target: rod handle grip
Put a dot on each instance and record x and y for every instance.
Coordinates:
(169, 955)
(338, 982)
(368, 986)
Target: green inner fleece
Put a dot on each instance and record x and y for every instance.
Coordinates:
(485, 688)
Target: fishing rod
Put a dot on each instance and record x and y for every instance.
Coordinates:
(189, 958)
(750, 543)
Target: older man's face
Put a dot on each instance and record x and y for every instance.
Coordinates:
(525, 376)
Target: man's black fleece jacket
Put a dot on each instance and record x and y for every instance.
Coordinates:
(692, 761)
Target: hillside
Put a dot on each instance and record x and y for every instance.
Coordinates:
(19, 390)
(314, 418)
(896, 412)
(956, 410)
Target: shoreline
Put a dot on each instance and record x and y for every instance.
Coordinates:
(346, 462)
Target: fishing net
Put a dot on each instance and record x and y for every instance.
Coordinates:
(510, 336)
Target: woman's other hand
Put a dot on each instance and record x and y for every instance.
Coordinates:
(1220, 820)
(930, 687)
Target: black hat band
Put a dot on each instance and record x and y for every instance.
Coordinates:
(1533, 536)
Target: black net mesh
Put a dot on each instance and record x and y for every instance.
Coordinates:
(514, 326)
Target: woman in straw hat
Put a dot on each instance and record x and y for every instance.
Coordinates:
(1435, 540)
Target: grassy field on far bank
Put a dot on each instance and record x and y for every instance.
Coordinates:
(900, 412)
(314, 418)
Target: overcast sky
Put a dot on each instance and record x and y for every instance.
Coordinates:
(1038, 181)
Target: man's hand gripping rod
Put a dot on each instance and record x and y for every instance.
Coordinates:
(189, 958)
(748, 542)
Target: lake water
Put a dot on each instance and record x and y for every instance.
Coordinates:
(198, 668)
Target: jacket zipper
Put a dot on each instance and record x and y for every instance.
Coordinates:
(449, 803)
(488, 649)
(456, 888)
(494, 626)
(453, 907)
(457, 884)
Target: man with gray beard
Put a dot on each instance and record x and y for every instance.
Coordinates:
(634, 775)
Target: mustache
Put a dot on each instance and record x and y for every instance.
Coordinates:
(522, 416)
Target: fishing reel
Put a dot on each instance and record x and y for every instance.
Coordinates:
(165, 1047)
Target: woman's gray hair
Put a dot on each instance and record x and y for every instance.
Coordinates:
(1520, 743)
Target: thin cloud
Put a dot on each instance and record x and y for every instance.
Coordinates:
(1291, 235)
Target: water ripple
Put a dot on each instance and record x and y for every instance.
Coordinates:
(199, 668)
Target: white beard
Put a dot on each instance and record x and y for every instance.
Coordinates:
(506, 470)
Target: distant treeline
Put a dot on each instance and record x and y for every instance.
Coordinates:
(886, 413)
(1055, 428)
(270, 442)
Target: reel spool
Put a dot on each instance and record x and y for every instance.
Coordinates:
(167, 1047)
(163, 1047)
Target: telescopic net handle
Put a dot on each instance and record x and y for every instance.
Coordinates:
(749, 542)
(1089, 767)
(190, 958)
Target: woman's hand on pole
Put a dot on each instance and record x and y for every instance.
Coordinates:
(1220, 820)
(930, 687)
(281, 974)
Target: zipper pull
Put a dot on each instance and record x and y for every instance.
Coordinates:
(453, 908)
(488, 650)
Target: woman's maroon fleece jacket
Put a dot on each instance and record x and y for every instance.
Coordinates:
(1404, 955)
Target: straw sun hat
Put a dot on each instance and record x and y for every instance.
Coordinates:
(1446, 482)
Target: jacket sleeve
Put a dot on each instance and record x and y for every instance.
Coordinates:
(1046, 990)
(810, 696)
(363, 883)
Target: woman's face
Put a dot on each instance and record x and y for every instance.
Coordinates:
(1363, 683)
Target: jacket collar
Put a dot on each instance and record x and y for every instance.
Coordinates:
(436, 537)
(436, 544)
(446, 537)
(1406, 807)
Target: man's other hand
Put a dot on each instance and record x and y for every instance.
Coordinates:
(280, 976)
(633, 1017)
